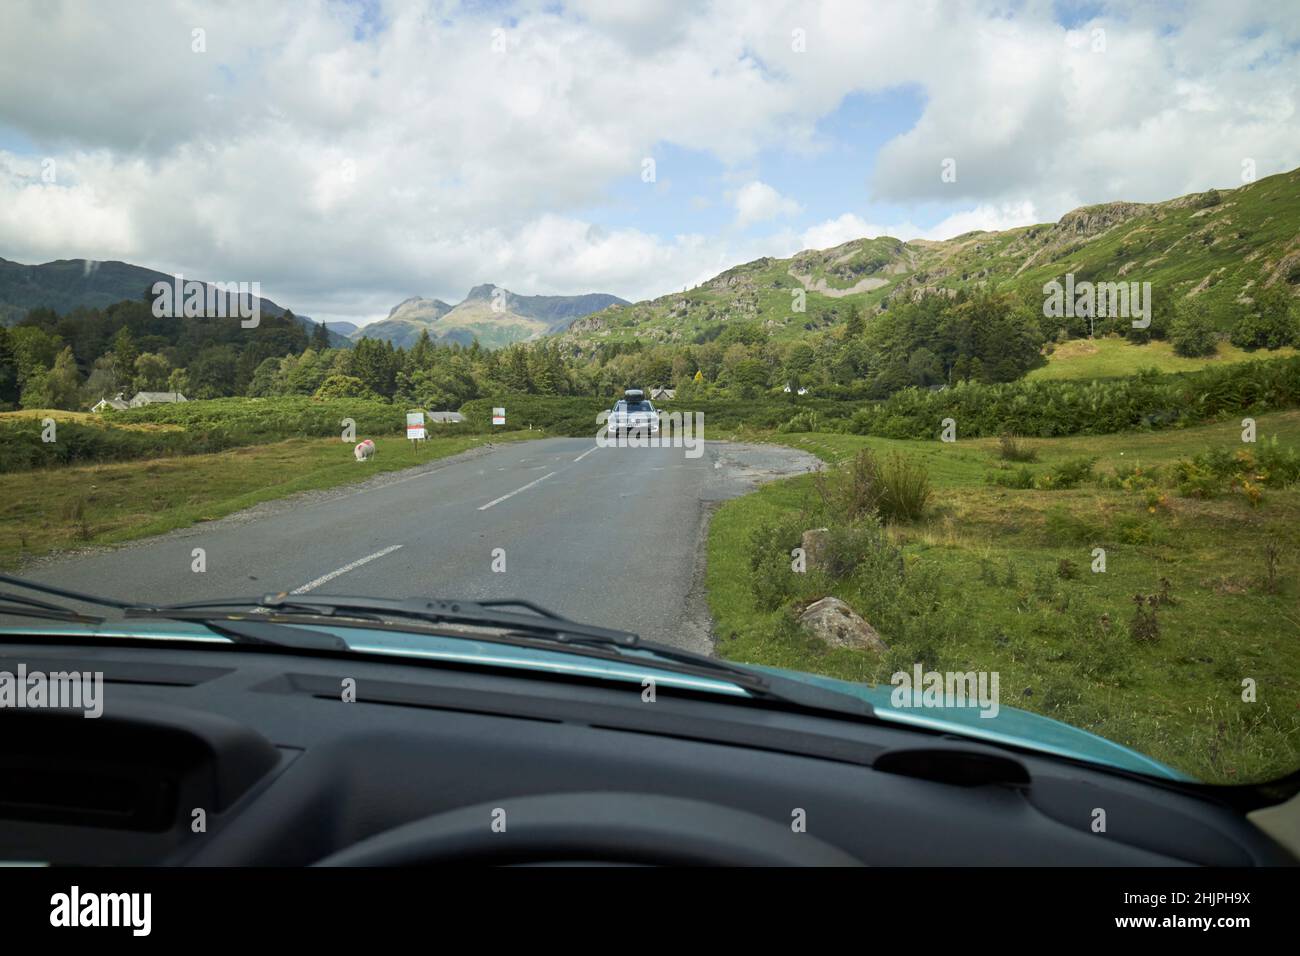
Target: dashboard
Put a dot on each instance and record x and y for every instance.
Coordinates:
(213, 756)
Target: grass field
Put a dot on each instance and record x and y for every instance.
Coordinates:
(1116, 358)
(54, 509)
(1000, 579)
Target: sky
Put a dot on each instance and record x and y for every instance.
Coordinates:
(349, 155)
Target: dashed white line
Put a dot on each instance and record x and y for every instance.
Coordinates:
(585, 454)
(311, 585)
(497, 501)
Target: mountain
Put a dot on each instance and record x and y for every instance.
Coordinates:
(66, 284)
(342, 328)
(490, 314)
(1213, 247)
(405, 321)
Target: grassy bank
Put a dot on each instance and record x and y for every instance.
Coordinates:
(999, 578)
(1083, 359)
(53, 509)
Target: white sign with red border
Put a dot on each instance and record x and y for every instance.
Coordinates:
(415, 426)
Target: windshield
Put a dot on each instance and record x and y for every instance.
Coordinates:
(961, 408)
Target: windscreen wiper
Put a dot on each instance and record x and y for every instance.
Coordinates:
(240, 632)
(539, 626)
(536, 625)
(18, 605)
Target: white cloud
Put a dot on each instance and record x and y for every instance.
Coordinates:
(757, 202)
(346, 174)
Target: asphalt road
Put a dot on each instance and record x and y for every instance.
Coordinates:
(610, 536)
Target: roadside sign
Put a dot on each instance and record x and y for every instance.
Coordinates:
(415, 426)
(498, 416)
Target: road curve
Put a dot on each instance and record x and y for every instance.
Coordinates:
(609, 536)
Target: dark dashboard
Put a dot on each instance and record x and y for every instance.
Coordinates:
(257, 757)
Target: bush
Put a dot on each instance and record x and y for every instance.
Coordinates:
(1192, 335)
(1021, 479)
(1069, 474)
(852, 491)
(772, 580)
(907, 489)
(1011, 448)
(803, 422)
(1047, 408)
(202, 427)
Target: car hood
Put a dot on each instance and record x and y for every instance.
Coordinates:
(1011, 726)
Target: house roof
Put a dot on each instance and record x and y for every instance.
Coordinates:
(159, 397)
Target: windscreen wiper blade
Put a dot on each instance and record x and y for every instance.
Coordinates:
(240, 632)
(20, 606)
(537, 625)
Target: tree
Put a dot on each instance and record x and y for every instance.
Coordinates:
(212, 373)
(64, 381)
(266, 379)
(320, 336)
(856, 325)
(151, 372)
(749, 377)
(924, 369)
(8, 370)
(1192, 334)
(1271, 324)
(35, 349)
(344, 386)
(125, 352)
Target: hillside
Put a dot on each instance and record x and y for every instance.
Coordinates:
(67, 284)
(1213, 247)
(489, 314)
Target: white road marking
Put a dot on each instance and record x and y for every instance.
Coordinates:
(511, 494)
(585, 454)
(312, 585)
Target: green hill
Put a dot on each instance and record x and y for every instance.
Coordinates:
(1214, 247)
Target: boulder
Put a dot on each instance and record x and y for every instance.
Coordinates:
(840, 626)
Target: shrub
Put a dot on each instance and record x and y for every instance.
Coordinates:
(1065, 527)
(1047, 408)
(862, 546)
(1011, 448)
(907, 489)
(773, 581)
(808, 421)
(1192, 335)
(853, 490)
(1068, 474)
(1021, 479)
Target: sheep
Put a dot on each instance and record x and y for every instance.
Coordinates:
(365, 450)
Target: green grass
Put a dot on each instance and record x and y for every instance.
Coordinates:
(1084, 359)
(54, 509)
(986, 558)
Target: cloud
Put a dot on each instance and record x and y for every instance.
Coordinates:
(347, 166)
(757, 202)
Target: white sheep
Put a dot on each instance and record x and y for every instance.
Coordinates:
(365, 450)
